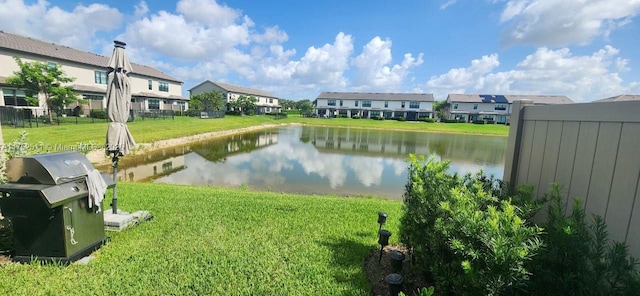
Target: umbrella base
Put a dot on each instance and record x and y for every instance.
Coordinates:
(124, 220)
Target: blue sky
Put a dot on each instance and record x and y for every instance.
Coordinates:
(584, 49)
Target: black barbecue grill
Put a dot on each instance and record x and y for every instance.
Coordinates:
(47, 200)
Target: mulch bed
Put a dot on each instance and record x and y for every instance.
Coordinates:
(376, 272)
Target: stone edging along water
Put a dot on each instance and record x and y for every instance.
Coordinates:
(98, 157)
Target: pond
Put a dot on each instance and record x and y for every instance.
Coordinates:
(314, 160)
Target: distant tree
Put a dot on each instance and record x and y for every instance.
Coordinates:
(305, 108)
(245, 103)
(287, 104)
(212, 100)
(439, 107)
(302, 102)
(46, 79)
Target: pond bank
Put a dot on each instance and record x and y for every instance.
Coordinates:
(97, 157)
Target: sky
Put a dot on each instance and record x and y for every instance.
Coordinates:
(584, 49)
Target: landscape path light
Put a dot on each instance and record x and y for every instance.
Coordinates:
(396, 260)
(382, 218)
(394, 282)
(383, 240)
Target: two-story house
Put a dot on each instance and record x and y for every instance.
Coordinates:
(151, 89)
(267, 103)
(411, 106)
(471, 107)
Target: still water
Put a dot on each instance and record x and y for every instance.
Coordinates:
(314, 160)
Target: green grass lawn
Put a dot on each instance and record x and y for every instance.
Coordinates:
(151, 130)
(216, 241)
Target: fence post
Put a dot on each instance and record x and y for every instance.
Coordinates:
(512, 155)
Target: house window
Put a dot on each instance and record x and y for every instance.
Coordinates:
(402, 104)
(100, 77)
(366, 103)
(154, 104)
(500, 107)
(375, 113)
(340, 103)
(455, 106)
(93, 97)
(475, 106)
(270, 101)
(150, 84)
(414, 105)
(356, 103)
(386, 104)
(331, 102)
(14, 97)
(182, 105)
(163, 86)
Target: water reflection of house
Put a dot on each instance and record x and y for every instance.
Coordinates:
(149, 171)
(460, 148)
(217, 150)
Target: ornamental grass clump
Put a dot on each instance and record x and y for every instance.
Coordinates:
(467, 233)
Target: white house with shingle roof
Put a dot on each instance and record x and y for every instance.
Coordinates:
(620, 98)
(411, 106)
(471, 107)
(266, 101)
(151, 89)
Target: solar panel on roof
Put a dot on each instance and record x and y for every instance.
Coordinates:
(500, 99)
(486, 98)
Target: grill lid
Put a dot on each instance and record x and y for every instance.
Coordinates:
(49, 169)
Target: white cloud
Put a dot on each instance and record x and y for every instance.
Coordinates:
(447, 4)
(76, 28)
(546, 71)
(326, 65)
(555, 23)
(373, 70)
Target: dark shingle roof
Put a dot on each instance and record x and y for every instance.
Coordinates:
(537, 99)
(377, 96)
(620, 98)
(29, 45)
(238, 89)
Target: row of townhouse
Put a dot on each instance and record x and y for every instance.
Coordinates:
(151, 89)
(472, 107)
(267, 103)
(411, 106)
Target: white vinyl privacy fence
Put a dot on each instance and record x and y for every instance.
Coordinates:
(592, 149)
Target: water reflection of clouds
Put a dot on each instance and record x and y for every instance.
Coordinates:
(294, 166)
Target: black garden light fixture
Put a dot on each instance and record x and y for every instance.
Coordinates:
(382, 219)
(394, 282)
(396, 260)
(383, 240)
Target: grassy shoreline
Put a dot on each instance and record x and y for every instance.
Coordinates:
(208, 240)
(149, 131)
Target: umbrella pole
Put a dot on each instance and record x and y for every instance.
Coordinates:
(114, 200)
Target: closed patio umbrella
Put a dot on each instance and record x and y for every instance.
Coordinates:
(119, 139)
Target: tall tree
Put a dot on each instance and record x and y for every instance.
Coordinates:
(305, 108)
(212, 100)
(46, 79)
(246, 103)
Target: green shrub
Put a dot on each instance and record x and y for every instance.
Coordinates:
(428, 120)
(401, 118)
(578, 258)
(355, 117)
(466, 231)
(489, 121)
(478, 121)
(377, 118)
(100, 114)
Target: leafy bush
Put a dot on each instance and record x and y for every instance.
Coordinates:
(355, 117)
(578, 258)
(193, 112)
(466, 231)
(452, 120)
(401, 118)
(489, 121)
(429, 120)
(237, 113)
(100, 114)
(478, 121)
(378, 118)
